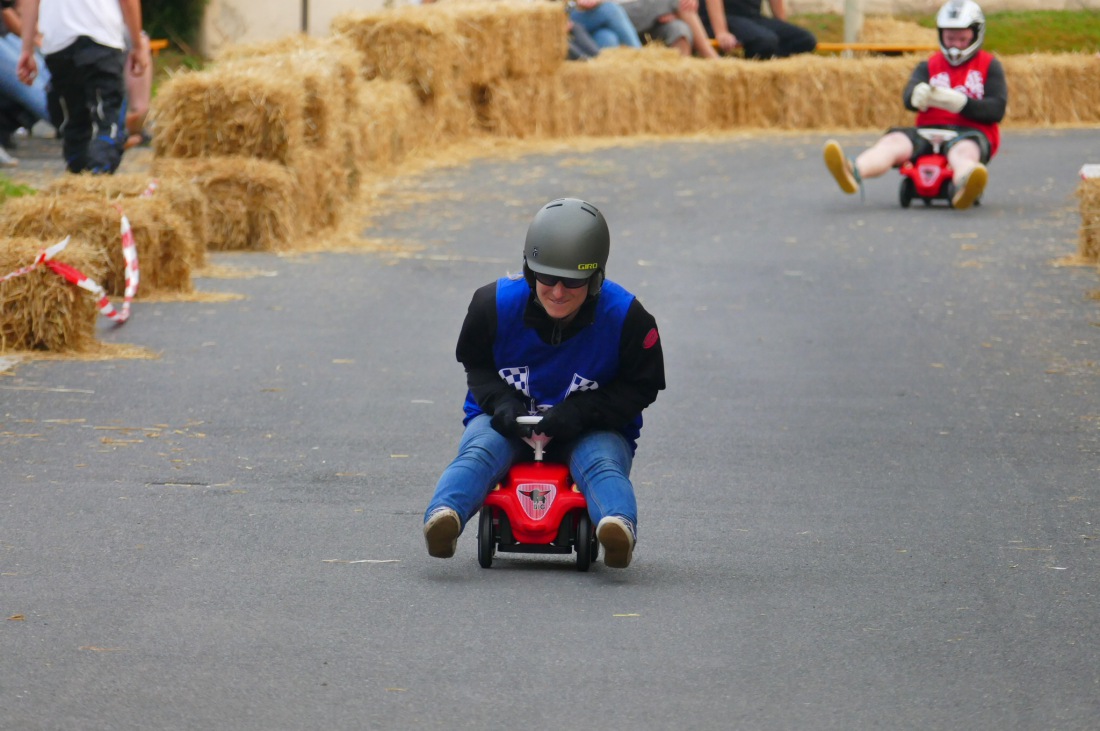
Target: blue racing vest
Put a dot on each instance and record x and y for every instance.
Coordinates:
(546, 374)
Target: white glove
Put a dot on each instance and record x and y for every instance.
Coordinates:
(919, 98)
(949, 99)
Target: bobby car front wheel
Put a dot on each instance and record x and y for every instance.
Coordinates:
(486, 542)
(584, 542)
(907, 191)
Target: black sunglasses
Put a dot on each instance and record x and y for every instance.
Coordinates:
(550, 280)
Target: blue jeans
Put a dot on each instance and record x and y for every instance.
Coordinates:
(33, 97)
(608, 24)
(599, 462)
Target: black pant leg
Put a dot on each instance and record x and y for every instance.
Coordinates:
(792, 38)
(87, 90)
(102, 71)
(756, 38)
(67, 106)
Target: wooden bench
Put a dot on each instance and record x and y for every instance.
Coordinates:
(885, 49)
(888, 49)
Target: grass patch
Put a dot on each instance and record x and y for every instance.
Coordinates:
(9, 189)
(1007, 32)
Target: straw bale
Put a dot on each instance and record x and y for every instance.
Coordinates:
(532, 35)
(884, 29)
(452, 116)
(252, 204)
(606, 96)
(293, 43)
(41, 310)
(182, 196)
(328, 117)
(231, 110)
(623, 91)
(392, 123)
(1088, 193)
(322, 190)
(816, 92)
(1047, 88)
(457, 44)
(409, 44)
(532, 108)
(162, 247)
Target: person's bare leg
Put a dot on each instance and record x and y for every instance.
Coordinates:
(969, 175)
(139, 91)
(891, 150)
(963, 157)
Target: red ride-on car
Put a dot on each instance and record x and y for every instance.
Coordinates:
(536, 509)
(929, 177)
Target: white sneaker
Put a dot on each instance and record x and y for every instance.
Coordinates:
(616, 535)
(441, 531)
(6, 160)
(43, 130)
(971, 189)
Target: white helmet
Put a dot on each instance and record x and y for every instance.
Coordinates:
(958, 15)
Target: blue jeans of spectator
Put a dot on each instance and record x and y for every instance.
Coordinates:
(599, 462)
(608, 24)
(33, 97)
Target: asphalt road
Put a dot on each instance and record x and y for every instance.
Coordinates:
(870, 497)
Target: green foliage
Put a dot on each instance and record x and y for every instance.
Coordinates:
(9, 189)
(1007, 32)
(177, 20)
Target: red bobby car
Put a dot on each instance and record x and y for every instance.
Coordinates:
(929, 177)
(537, 509)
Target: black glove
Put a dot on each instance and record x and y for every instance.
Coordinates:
(504, 418)
(562, 422)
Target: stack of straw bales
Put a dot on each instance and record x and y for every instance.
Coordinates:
(89, 209)
(160, 235)
(180, 197)
(271, 134)
(40, 310)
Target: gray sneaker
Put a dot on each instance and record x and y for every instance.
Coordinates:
(6, 159)
(616, 535)
(441, 531)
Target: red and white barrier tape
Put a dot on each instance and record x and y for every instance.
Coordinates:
(43, 256)
(74, 276)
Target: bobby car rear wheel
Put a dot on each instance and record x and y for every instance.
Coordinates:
(486, 541)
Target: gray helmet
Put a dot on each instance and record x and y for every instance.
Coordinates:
(959, 15)
(567, 238)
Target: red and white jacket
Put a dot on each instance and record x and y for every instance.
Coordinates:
(970, 79)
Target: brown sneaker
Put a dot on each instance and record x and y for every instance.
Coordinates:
(441, 531)
(841, 167)
(971, 188)
(617, 538)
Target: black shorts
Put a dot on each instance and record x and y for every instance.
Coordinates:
(922, 146)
